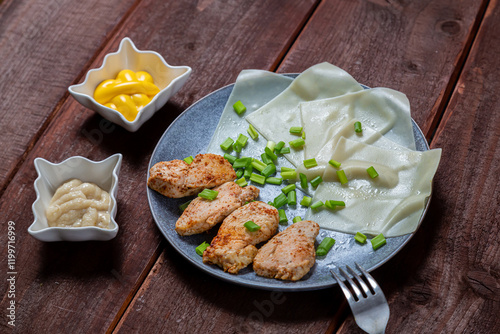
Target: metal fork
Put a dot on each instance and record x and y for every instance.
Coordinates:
(368, 305)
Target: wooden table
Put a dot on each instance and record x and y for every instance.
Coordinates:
(444, 55)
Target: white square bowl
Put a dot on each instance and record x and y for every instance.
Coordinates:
(50, 176)
(169, 80)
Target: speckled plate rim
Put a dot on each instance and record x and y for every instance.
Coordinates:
(269, 284)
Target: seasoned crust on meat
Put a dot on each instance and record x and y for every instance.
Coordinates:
(201, 214)
(234, 246)
(290, 254)
(177, 179)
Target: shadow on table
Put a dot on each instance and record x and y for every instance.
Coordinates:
(80, 260)
(251, 308)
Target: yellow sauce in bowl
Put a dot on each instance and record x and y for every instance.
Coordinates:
(128, 93)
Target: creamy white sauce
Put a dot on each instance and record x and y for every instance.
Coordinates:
(79, 204)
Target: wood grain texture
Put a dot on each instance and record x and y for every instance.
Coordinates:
(200, 303)
(451, 277)
(411, 46)
(85, 287)
(44, 45)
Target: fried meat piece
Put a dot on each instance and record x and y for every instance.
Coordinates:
(177, 179)
(233, 248)
(201, 214)
(290, 254)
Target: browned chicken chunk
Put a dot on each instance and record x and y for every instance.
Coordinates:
(233, 248)
(290, 254)
(176, 178)
(201, 214)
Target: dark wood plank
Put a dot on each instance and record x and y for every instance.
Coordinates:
(84, 287)
(43, 47)
(447, 280)
(179, 298)
(416, 47)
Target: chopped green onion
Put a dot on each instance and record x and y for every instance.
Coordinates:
(208, 194)
(317, 205)
(357, 127)
(280, 200)
(287, 169)
(378, 241)
(239, 107)
(270, 150)
(288, 188)
(292, 198)
(316, 181)
(297, 219)
(296, 130)
(303, 135)
(289, 175)
(325, 246)
(248, 171)
(242, 162)
(251, 226)
(189, 159)
(242, 139)
(372, 172)
(297, 143)
(285, 150)
(242, 182)
(239, 173)
(310, 163)
(333, 204)
(258, 165)
(271, 154)
(271, 145)
(227, 144)
(266, 159)
(360, 237)
(201, 248)
(306, 201)
(237, 147)
(303, 180)
(269, 170)
(274, 180)
(279, 146)
(252, 132)
(258, 178)
(282, 215)
(270, 203)
(230, 158)
(183, 206)
(334, 163)
(341, 176)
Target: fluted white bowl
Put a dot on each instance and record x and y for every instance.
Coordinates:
(169, 80)
(52, 175)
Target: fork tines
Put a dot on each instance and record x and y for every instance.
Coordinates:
(359, 290)
(366, 299)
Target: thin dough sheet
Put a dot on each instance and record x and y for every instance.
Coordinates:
(390, 204)
(275, 119)
(346, 130)
(254, 88)
(382, 109)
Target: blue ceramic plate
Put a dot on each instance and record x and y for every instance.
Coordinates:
(179, 142)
